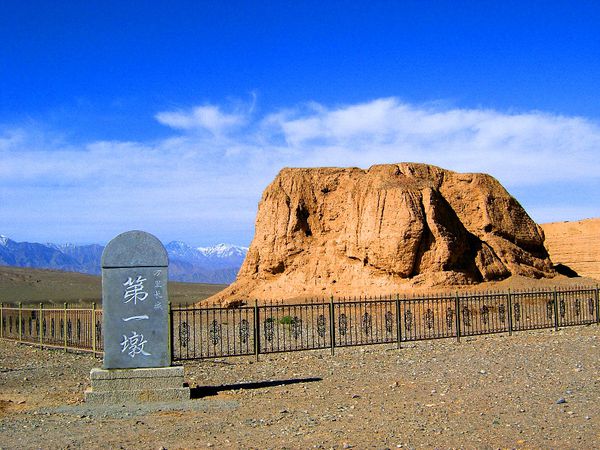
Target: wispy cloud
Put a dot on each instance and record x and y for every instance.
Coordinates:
(202, 184)
(519, 148)
(208, 117)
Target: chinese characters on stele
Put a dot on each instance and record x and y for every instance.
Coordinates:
(135, 292)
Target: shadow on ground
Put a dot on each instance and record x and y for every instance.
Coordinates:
(206, 391)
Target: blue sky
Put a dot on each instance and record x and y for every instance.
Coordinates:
(173, 117)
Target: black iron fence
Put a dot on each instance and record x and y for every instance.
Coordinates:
(252, 330)
(209, 332)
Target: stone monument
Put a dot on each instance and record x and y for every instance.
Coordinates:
(135, 316)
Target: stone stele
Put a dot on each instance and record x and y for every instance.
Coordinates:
(135, 327)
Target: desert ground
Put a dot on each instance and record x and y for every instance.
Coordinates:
(538, 389)
(53, 287)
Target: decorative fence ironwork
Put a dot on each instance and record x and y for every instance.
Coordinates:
(209, 332)
(252, 330)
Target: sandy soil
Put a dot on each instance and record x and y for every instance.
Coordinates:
(536, 389)
(54, 287)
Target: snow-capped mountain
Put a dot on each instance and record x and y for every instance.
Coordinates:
(218, 264)
(26, 254)
(185, 252)
(87, 256)
(224, 251)
(182, 250)
(220, 254)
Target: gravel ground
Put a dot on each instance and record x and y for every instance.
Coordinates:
(538, 389)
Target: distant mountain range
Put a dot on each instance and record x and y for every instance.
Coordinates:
(218, 264)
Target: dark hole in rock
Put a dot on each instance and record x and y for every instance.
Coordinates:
(302, 216)
(565, 270)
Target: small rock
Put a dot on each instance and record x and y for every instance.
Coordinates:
(346, 445)
(482, 372)
(560, 401)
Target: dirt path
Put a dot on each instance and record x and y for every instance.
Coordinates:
(487, 392)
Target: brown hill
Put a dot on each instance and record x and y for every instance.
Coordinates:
(333, 231)
(53, 287)
(576, 245)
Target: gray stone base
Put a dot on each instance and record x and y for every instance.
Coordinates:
(118, 386)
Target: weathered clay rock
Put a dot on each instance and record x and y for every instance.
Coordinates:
(575, 245)
(332, 231)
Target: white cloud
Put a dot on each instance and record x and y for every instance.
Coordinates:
(519, 148)
(206, 117)
(207, 178)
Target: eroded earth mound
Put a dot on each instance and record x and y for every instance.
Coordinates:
(575, 245)
(349, 231)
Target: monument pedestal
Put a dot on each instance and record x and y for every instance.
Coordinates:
(156, 384)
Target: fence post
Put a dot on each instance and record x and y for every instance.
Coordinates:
(555, 300)
(170, 333)
(332, 325)
(1, 320)
(457, 308)
(20, 322)
(597, 306)
(94, 328)
(398, 322)
(65, 325)
(510, 313)
(256, 330)
(41, 329)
